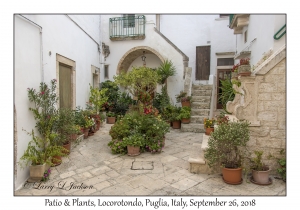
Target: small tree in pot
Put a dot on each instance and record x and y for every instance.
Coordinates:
(260, 171)
(225, 148)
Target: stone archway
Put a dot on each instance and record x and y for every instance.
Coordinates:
(134, 53)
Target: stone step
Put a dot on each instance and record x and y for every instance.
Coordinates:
(199, 112)
(192, 127)
(202, 87)
(199, 105)
(201, 92)
(202, 99)
(198, 119)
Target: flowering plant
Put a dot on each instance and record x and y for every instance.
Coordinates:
(182, 97)
(222, 119)
(235, 67)
(245, 61)
(209, 123)
(46, 175)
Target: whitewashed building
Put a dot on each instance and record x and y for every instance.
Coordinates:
(79, 50)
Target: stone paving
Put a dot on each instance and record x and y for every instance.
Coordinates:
(92, 164)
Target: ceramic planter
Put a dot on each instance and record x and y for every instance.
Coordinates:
(111, 120)
(185, 103)
(176, 124)
(209, 130)
(244, 70)
(232, 175)
(37, 171)
(133, 151)
(261, 177)
(67, 146)
(185, 120)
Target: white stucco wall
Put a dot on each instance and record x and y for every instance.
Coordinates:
(152, 40)
(263, 28)
(189, 31)
(60, 36)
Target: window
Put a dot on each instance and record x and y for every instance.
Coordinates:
(106, 72)
(129, 21)
(245, 36)
(225, 62)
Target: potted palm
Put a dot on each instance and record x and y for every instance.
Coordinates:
(184, 99)
(226, 147)
(185, 114)
(260, 171)
(134, 142)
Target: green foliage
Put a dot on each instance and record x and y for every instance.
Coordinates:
(165, 70)
(281, 160)
(185, 112)
(227, 92)
(226, 144)
(174, 113)
(138, 80)
(135, 140)
(113, 94)
(256, 163)
(37, 154)
(209, 123)
(161, 100)
(110, 114)
(134, 124)
(182, 97)
(97, 98)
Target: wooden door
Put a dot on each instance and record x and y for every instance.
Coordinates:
(202, 62)
(65, 88)
(221, 75)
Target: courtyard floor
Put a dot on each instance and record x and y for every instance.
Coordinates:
(92, 164)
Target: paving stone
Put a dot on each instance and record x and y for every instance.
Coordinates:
(138, 191)
(100, 170)
(80, 170)
(82, 176)
(102, 185)
(142, 165)
(119, 189)
(184, 184)
(67, 174)
(168, 158)
(112, 173)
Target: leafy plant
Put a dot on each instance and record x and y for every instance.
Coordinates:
(46, 176)
(112, 93)
(161, 100)
(226, 144)
(110, 114)
(256, 163)
(97, 98)
(221, 118)
(227, 92)
(165, 70)
(182, 97)
(209, 123)
(185, 112)
(135, 140)
(175, 113)
(281, 160)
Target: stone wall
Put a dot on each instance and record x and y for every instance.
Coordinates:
(263, 103)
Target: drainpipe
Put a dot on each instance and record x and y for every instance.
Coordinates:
(158, 22)
(41, 45)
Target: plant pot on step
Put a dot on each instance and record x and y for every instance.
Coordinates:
(185, 120)
(132, 150)
(67, 146)
(176, 124)
(86, 132)
(209, 130)
(232, 175)
(261, 177)
(111, 120)
(185, 103)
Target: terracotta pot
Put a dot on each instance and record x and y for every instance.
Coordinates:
(67, 146)
(185, 120)
(261, 177)
(185, 103)
(133, 151)
(56, 160)
(232, 175)
(98, 125)
(86, 132)
(73, 137)
(208, 131)
(176, 124)
(111, 120)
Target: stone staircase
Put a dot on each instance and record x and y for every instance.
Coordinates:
(201, 99)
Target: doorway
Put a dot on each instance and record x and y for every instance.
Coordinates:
(65, 88)
(221, 75)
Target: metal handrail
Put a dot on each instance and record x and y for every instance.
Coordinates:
(275, 35)
(129, 26)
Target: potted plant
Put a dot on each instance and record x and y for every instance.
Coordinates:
(165, 70)
(234, 71)
(185, 114)
(184, 99)
(39, 156)
(244, 68)
(260, 171)
(134, 142)
(175, 117)
(226, 147)
(111, 117)
(209, 125)
(221, 118)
